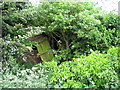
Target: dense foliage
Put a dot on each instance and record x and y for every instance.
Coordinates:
(84, 40)
(8, 9)
(94, 71)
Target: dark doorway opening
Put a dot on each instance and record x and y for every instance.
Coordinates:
(36, 58)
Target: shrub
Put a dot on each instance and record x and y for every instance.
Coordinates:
(94, 71)
(82, 28)
(14, 73)
(26, 78)
(77, 25)
(13, 49)
(8, 17)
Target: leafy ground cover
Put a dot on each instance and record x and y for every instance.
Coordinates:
(93, 71)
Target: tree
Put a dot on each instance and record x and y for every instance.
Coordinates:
(8, 9)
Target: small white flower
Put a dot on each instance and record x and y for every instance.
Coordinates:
(59, 41)
(8, 41)
(39, 71)
(36, 77)
(98, 21)
(34, 68)
(61, 82)
(46, 71)
(73, 46)
(28, 77)
(93, 82)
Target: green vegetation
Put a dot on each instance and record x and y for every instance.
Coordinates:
(94, 71)
(84, 41)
